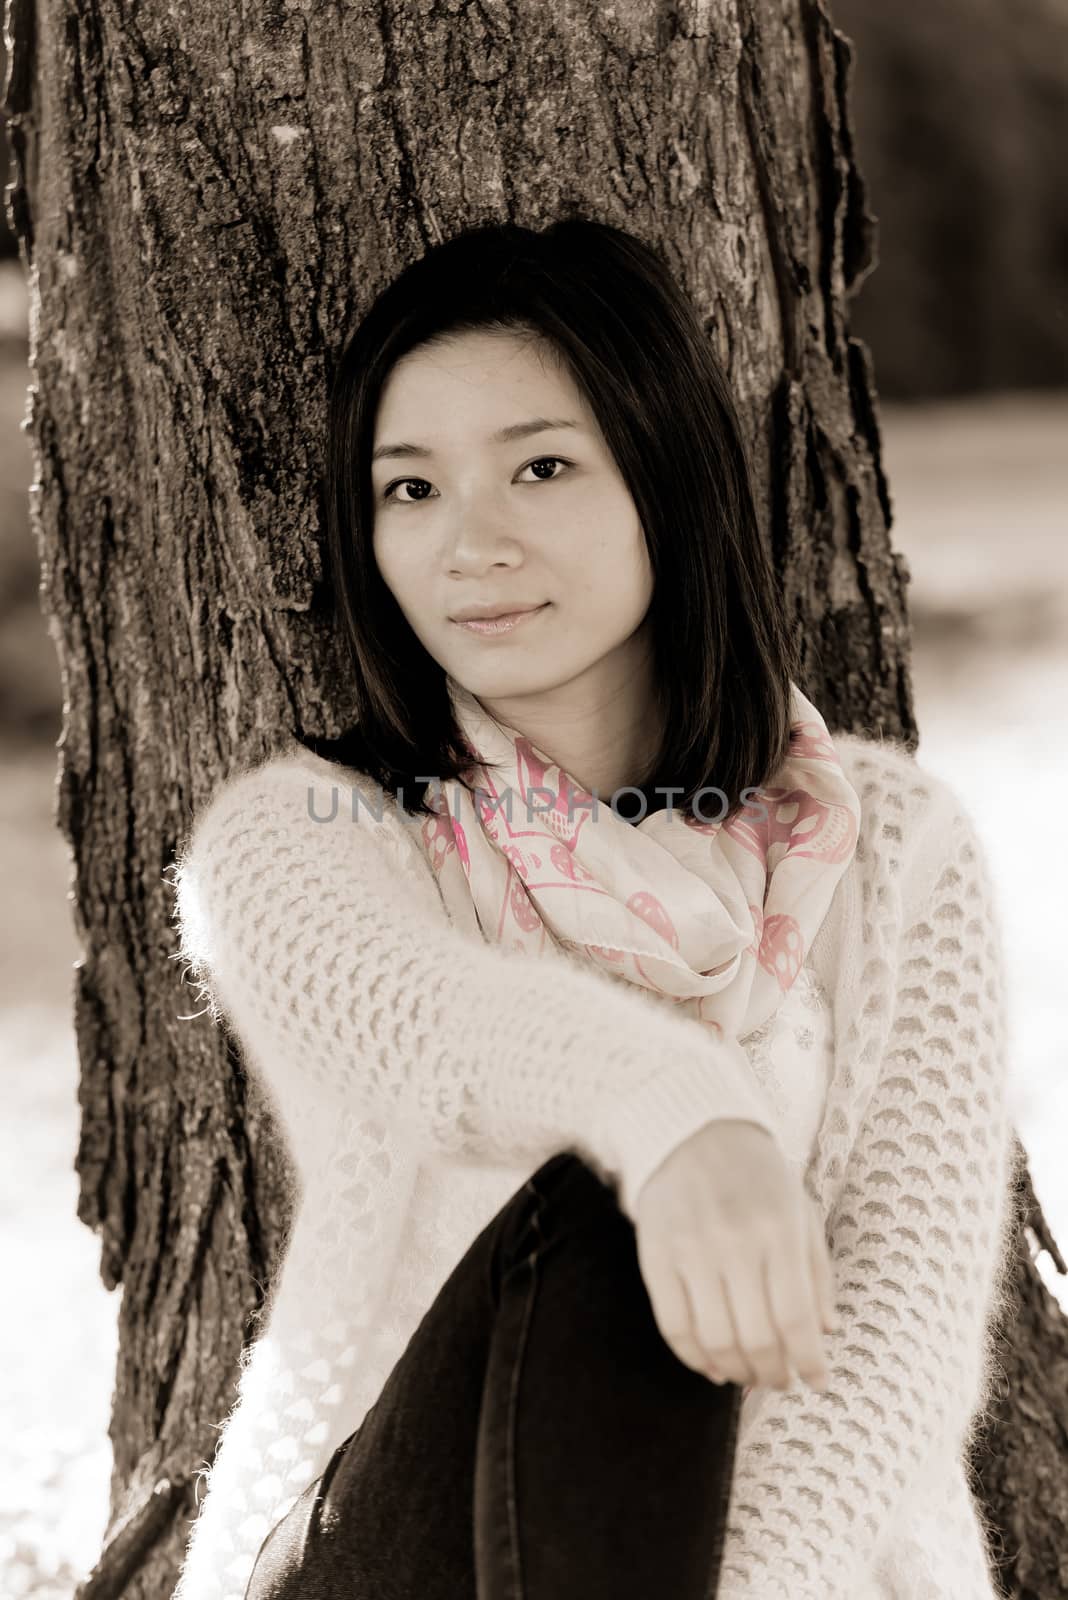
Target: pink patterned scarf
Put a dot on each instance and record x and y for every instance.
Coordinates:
(719, 919)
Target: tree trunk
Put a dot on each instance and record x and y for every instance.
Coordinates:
(204, 199)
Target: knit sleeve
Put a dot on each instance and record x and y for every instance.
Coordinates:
(305, 1379)
(344, 980)
(920, 1241)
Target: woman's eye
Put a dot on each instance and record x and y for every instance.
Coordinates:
(402, 483)
(389, 492)
(540, 461)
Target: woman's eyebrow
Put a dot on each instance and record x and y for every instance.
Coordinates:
(513, 430)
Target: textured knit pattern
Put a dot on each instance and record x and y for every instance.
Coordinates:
(419, 1075)
(868, 1478)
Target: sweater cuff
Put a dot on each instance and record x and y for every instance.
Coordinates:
(639, 1130)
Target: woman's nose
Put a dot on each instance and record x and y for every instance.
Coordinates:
(481, 538)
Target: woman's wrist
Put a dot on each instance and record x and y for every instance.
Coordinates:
(638, 1130)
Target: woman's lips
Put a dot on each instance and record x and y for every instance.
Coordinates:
(498, 625)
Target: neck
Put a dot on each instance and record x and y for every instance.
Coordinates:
(604, 735)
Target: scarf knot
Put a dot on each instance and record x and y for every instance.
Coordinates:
(718, 918)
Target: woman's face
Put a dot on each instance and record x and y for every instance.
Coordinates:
(465, 515)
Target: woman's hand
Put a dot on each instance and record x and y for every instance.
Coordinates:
(734, 1260)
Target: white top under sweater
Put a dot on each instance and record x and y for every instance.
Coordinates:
(419, 1075)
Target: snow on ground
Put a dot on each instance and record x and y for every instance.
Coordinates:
(57, 1353)
(980, 500)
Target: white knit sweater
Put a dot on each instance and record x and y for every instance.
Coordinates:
(419, 1075)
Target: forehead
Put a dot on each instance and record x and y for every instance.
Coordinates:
(478, 371)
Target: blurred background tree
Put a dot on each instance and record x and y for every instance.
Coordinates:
(960, 123)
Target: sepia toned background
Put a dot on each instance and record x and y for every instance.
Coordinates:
(960, 129)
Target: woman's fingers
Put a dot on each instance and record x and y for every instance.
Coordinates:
(714, 1322)
(733, 1255)
(757, 1337)
(756, 1317)
(795, 1306)
(671, 1305)
(822, 1270)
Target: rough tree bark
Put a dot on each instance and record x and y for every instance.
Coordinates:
(204, 198)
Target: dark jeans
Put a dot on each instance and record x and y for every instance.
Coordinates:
(537, 1440)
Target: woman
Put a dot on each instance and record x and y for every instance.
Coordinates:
(597, 990)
